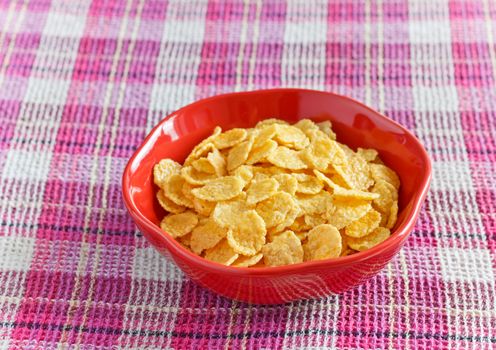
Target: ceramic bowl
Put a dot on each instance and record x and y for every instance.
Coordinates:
(355, 125)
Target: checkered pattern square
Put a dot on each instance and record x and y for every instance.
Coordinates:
(81, 83)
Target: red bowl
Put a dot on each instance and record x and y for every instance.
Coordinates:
(355, 125)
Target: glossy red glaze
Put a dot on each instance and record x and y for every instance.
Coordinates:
(355, 124)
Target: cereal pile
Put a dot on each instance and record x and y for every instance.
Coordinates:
(277, 194)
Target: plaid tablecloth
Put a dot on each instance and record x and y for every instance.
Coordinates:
(82, 83)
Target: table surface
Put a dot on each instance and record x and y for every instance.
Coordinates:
(82, 83)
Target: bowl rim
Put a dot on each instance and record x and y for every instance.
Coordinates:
(397, 236)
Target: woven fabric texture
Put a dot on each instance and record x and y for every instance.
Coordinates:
(81, 83)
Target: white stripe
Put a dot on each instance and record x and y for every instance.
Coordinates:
(241, 52)
(177, 62)
(304, 53)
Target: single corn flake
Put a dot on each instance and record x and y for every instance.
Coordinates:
(261, 152)
(355, 173)
(186, 190)
(393, 215)
(270, 121)
(344, 194)
(260, 190)
(220, 189)
(203, 165)
(364, 225)
(227, 213)
(299, 224)
(195, 177)
(291, 216)
(354, 195)
(308, 184)
(378, 235)
(247, 261)
(218, 162)
(245, 173)
(320, 203)
(345, 249)
(230, 138)
(291, 137)
(286, 158)
(222, 253)
(173, 190)
(382, 172)
(268, 170)
(285, 249)
(387, 195)
(260, 176)
(163, 169)
(248, 236)
(203, 147)
(287, 183)
(264, 134)
(275, 209)
(315, 220)
(185, 241)
(203, 207)
(369, 154)
(169, 205)
(323, 242)
(322, 151)
(239, 154)
(346, 213)
(326, 128)
(307, 126)
(206, 235)
(178, 225)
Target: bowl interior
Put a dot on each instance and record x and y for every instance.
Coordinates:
(355, 125)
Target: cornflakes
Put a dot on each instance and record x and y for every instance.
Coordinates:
(387, 195)
(195, 177)
(178, 225)
(363, 226)
(326, 128)
(286, 158)
(291, 137)
(369, 154)
(247, 261)
(393, 215)
(287, 183)
(230, 138)
(277, 194)
(222, 253)
(285, 249)
(169, 205)
(173, 189)
(346, 213)
(375, 237)
(260, 190)
(248, 236)
(220, 189)
(323, 242)
(275, 209)
(163, 169)
(239, 154)
(382, 172)
(261, 152)
(206, 235)
(308, 184)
